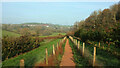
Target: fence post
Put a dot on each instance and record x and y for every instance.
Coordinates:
(22, 63)
(99, 44)
(94, 57)
(46, 59)
(74, 41)
(53, 50)
(78, 44)
(71, 38)
(103, 47)
(83, 48)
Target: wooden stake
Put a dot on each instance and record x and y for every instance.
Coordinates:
(83, 48)
(78, 44)
(46, 59)
(72, 38)
(103, 46)
(53, 50)
(94, 57)
(22, 63)
(99, 44)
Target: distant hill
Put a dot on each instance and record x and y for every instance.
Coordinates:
(34, 23)
(39, 29)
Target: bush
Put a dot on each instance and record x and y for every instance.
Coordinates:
(14, 46)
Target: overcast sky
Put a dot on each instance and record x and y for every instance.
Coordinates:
(64, 13)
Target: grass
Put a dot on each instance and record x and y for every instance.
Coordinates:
(54, 34)
(78, 59)
(36, 55)
(105, 57)
(59, 57)
(8, 33)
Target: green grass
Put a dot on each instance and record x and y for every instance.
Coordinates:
(8, 33)
(36, 55)
(103, 57)
(59, 57)
(78, 59)
(43, 36)
(54, 34)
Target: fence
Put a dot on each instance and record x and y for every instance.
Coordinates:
(22, 62)
(77, 44)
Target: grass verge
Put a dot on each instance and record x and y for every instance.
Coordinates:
(78, 58)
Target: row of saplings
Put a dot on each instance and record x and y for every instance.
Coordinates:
(14, 46)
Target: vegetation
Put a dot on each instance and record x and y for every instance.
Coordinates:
(33, 56)
(100, 26)
(35, 29)
(103, 56)
(78, 58)
(10, 34)
(54, 34)
(15, 46)
(101, 29)
(28, 40)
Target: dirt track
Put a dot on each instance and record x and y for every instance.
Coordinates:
(67, 59)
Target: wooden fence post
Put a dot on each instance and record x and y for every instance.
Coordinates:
(22, 63)
(74, 41)
(103, 47)
(78, 44)
(94, 57)
(46, 59)
(72, 38)
(53, 50)
(99, 44)
(83, 48)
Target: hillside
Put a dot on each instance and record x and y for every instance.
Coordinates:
(36, 29)
(10, 34)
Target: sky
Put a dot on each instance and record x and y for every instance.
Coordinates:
(63, 13)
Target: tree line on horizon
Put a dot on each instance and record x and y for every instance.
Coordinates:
(36, 30)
